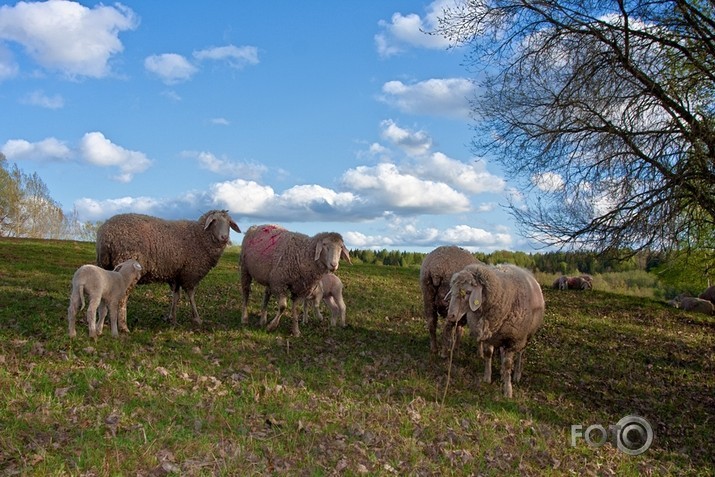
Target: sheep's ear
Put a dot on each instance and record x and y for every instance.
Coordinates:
(209, 219)
(344, 252)
(234, 226)
(318, 249)
(118, 267)
(475, 298)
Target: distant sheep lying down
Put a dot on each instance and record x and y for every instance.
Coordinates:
(286, 263)
(504, 308)
(330, 290)
(105, 290)
(581, 282)
(177, 252)
(691, 303)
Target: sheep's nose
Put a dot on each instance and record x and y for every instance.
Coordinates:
(333, 266)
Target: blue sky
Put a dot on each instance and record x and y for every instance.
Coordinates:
(319, 116)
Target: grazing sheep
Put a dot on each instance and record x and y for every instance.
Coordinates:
(561, 283)
(330, 290)
(691, 303)
(105, 289)
(436, 271)
(177, 252)
(285, 263)
(504, 307)
(708, 294)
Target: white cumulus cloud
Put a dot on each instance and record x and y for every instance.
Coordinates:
(411, 30)
(49, 149)
(412, 142)
(448, 97)
(66, 36)
(171, 68)
(100, 151)
(236, 56)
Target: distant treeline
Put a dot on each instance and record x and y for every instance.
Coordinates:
(547, 262)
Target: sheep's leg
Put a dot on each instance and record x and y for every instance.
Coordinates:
(113, 312)
(123, 312)
(507, 364)
(518, 358)
(91, 316)
(432, 328)
(306, 302)
(264, 306)
(72, 313)
(316, 309)
(245, 292)
(194, 312)
(282, 305)
(334, 310)
(340, 304)
(295, 330)
(488, 352)
(102, 314)
(175, 295)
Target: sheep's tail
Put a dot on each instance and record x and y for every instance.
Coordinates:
(81, 296)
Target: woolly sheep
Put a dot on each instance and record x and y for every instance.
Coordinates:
(177, 252)
(691, 303)
(105, 290)
(561, 283)
(708, 294)
(329, 289)
(285, 263)
(436, 271)
(582, 282)
(504, 306)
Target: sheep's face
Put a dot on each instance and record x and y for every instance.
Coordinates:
(220, 225)
(329, 252)
(464, 295)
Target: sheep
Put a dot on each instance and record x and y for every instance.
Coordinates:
(582, 282)
(561, 283)
(285, 263)
(436, 271)
(105, 289)
(504, 306)
(708, 294)
(691, 303)
(177, 252)
(329, 289)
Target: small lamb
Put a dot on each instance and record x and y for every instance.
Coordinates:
(330, 290)
(105, 289)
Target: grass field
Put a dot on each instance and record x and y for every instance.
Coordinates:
(226, 399)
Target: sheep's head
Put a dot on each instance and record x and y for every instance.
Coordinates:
(219, 223)
(465, 294)
(329, 248)
(130, 268)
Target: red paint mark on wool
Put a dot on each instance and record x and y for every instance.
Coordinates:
(267, 239)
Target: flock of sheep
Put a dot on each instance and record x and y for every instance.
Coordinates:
(502, 306)
(703, 303)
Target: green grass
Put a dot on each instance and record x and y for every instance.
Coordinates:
(226, 399)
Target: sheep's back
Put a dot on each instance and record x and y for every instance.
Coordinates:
(436, 272)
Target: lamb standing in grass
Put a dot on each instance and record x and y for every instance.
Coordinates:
(286, 263)
(105, 290)
(177, 252)
(435, 274)
(330, 290)
(504, 306)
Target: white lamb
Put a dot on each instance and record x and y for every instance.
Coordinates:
(105, 289)
(330, 290)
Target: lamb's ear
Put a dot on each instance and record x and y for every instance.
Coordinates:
(475, 298)
(118, 267)
(318, 249)
(344, 252)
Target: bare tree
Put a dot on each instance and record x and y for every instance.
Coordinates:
(602, 111)
(26, 208)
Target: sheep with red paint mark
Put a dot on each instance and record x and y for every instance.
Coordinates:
(286, 263)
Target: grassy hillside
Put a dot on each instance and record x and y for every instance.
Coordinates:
(227, 399)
